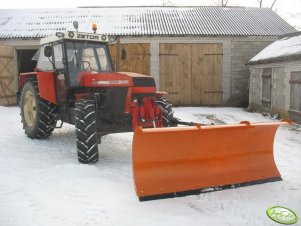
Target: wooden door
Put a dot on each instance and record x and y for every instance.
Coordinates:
(175, 76)
(192, 73)
(295, 97)
(137, 60)
(7, 79)
(206, 74)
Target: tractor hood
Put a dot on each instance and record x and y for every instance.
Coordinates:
(114, 79)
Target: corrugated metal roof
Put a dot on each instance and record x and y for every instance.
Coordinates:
(208, 21)
(285, 49)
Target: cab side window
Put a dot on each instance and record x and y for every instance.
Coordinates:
(44, 63)
(58, 56)
(103, 59)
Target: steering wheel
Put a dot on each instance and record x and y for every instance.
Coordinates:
(83, 65)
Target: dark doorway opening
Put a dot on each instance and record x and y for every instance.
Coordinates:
(25, 62)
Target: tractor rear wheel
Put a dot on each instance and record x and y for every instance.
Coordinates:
(86, 131)
(38, 115)
(167, 112)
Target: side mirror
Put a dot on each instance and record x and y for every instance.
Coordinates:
(112, 38)
(123, 55)
(48, 51)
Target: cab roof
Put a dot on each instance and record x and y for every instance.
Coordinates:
(73, 35)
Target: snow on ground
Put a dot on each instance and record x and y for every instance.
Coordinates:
(41, 182)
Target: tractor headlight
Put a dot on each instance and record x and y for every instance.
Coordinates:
(70, 34)
(103, 37)
(59, 34)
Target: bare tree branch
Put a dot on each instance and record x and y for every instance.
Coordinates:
(273, 4)
(222, 3)
(260, 3)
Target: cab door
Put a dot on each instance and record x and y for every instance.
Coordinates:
(60, 73)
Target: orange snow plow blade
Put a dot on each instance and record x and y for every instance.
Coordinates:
(179, 161)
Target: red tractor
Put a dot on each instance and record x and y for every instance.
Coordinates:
(75, 82)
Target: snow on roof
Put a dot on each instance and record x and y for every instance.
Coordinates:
(281, 50)
(203, 20)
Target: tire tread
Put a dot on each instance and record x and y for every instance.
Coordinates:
(46, 115)
(86, 131)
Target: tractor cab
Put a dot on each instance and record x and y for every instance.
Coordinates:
(72, 54)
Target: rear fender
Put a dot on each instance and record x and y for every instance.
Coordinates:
(24, 77)
(46, 83)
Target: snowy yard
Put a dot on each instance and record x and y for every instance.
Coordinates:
(41, 182)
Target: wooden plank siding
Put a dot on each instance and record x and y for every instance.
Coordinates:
(137, 60)
(192, 73)
(7, 80)
(295, 96)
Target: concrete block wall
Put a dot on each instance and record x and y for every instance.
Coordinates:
(242, 51)
(280, 95)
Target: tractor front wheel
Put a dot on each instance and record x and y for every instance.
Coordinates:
(167, 112)
(86, 131)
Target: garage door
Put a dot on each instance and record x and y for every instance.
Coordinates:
(192, 73)
(7, 79)
(137, 59)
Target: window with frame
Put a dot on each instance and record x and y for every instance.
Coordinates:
(295, 82)
(89, 57)
(266, 86)
(58, 56)
(86, 57)
(103, 59)
(44, 63)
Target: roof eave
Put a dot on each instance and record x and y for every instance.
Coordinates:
(275, 60)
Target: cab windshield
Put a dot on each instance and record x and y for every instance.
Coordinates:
(86, 56)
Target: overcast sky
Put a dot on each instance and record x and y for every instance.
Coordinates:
(290, 10)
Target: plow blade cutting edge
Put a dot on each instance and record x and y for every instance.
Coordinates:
(178, 161)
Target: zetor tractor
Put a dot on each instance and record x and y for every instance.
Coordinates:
(75, 82)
